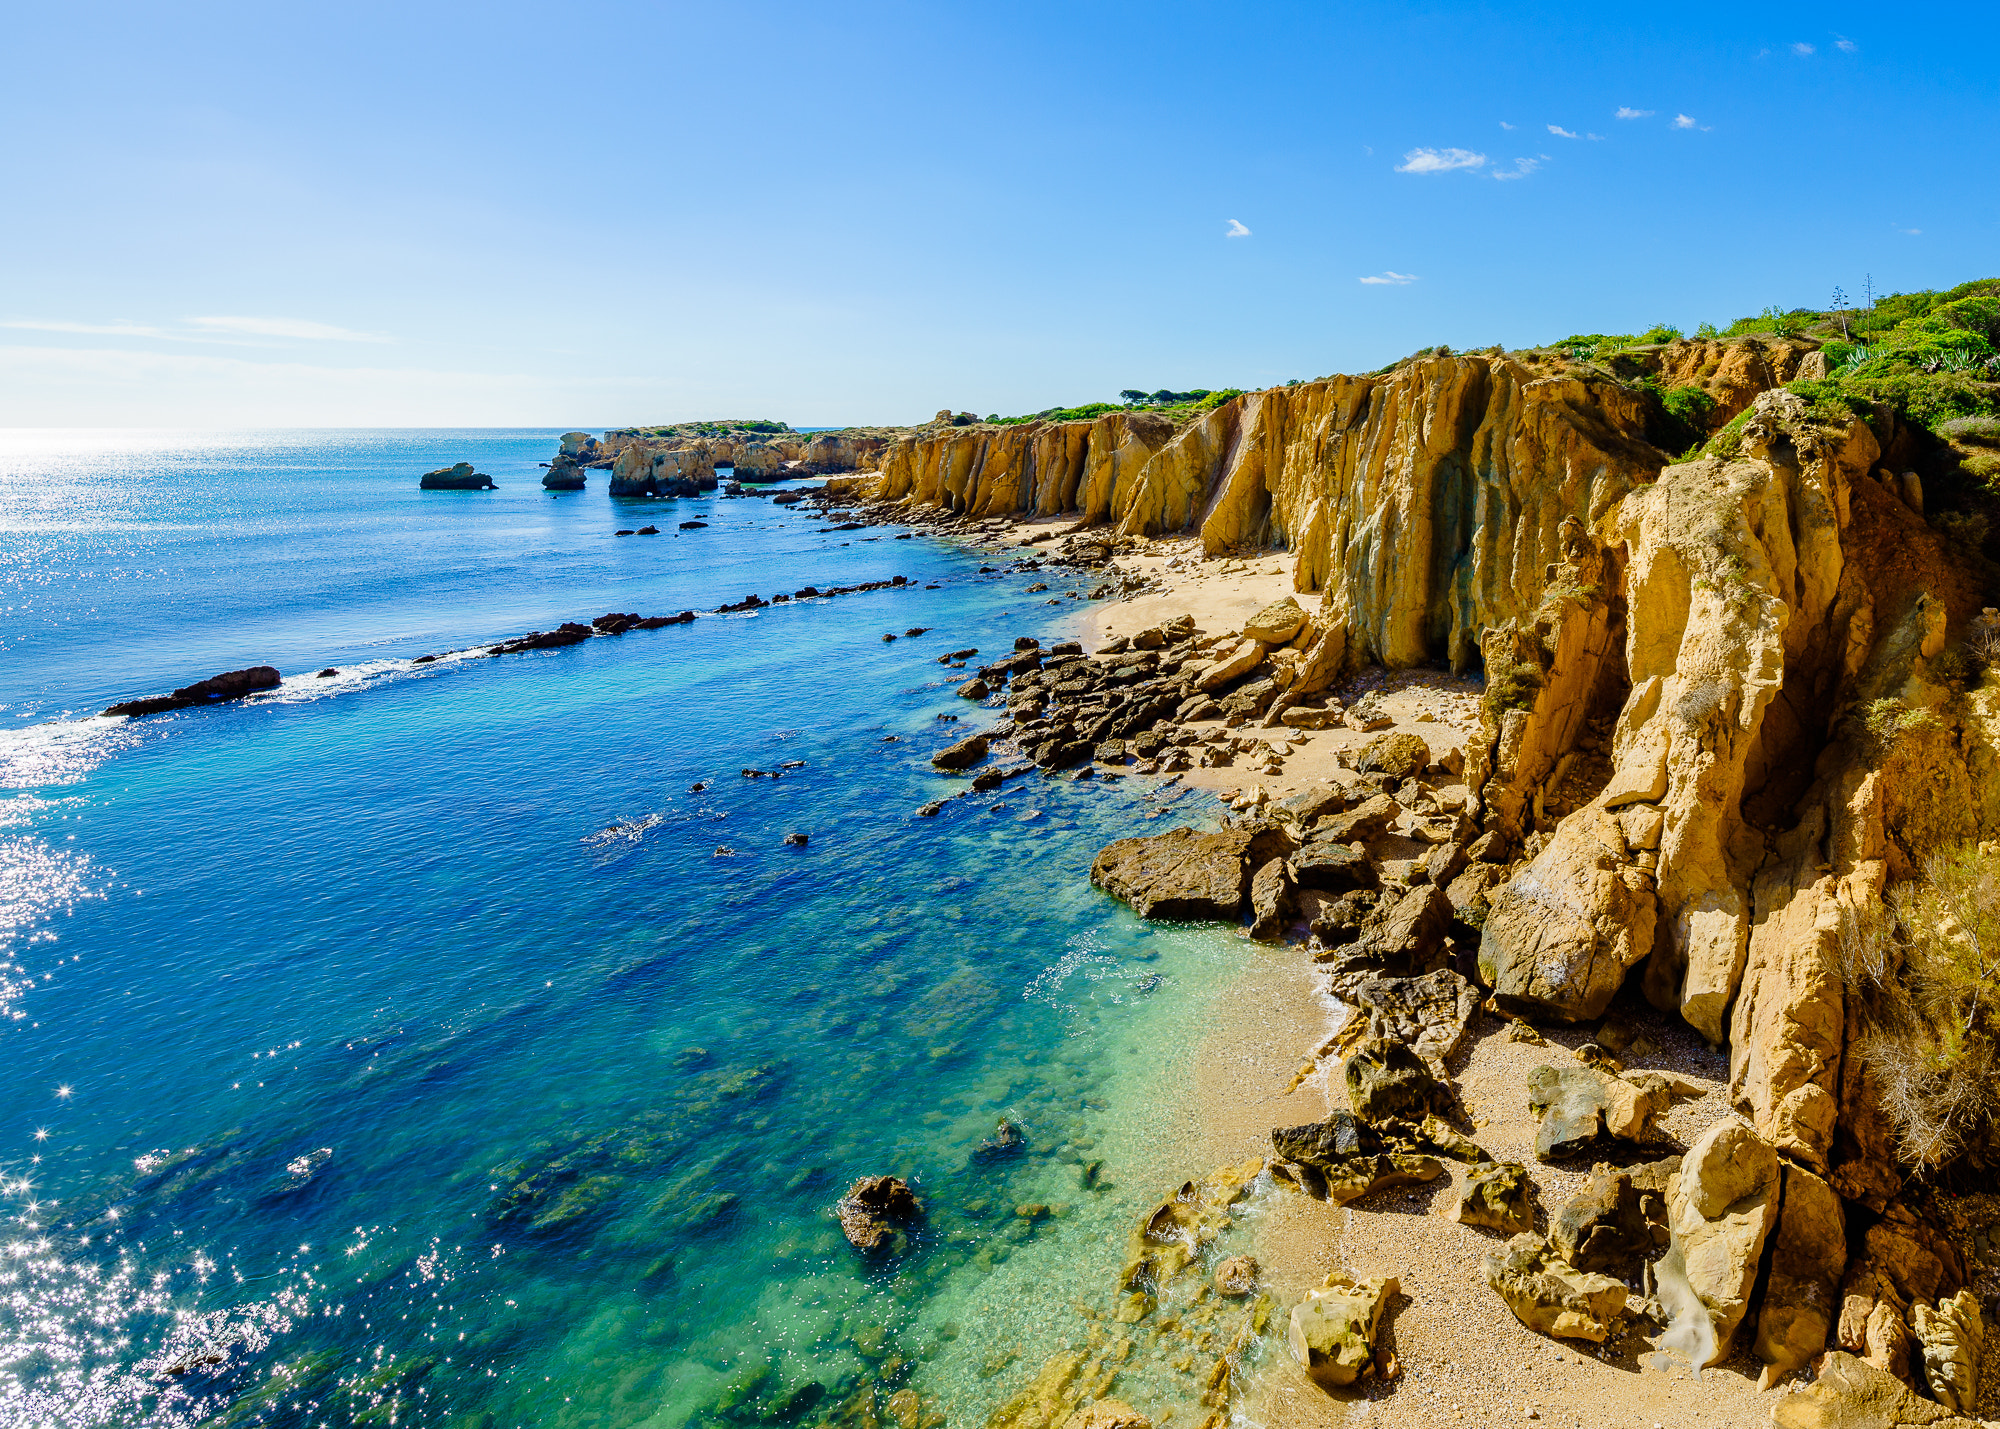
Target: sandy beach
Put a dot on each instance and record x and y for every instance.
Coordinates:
(1463, 1357)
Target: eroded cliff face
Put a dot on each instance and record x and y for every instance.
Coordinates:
(1422, 504)
(1768, 601)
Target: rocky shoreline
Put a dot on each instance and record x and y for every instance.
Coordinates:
(1706, 1177)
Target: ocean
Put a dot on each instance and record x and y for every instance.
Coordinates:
(423, 1045)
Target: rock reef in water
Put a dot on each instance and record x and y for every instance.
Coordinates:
(459, 477)
(233, 685)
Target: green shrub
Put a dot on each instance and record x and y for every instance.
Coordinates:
(1888, 720)
(1975, 431)
(1691, 405)
(1729, 441)
(1706, 332)
(1658, 333)
(1510, 686)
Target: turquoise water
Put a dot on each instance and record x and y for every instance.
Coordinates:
(403, 1048)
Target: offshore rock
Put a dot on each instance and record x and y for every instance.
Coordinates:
(459, 477)
(1177, 874)
(1172, 1235)
(1108, 1414)
(1332, 1331)
(233, 685)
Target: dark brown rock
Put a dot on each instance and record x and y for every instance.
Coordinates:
(962, 755)
(1270, 900)
(1332, 867)
(233, 685)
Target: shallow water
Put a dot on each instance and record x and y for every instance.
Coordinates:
(402, 1047)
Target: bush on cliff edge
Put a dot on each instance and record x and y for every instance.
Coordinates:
(1928, 964)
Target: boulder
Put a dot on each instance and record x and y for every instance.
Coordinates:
(1580, 1108)
(1562, 934)
(1276, 624)
(1551, 1297)
(1953, 1339)
(458, 477)
(1403, 755)
(1386, 1081)
(1495, 1195)
(1177, 874)
(875, 1209)
(1801, 1299)
(1367, 820)
(1332, 1331)
(1850, 1393)
(1270, 900)
(1427, 1014)
(1617, 1219)
(1236, 1276)
(962, 755)
(1332, 867)
(1323, 1143)
(1313, 802)
(1721, 1209)
(1229, 668)
(233, 685)
(1412, 936)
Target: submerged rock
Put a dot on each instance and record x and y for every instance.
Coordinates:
(1236, 1276)
(962, 755)
(875, 1210)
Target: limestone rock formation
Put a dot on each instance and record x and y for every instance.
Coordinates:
(1178, 874)
(1802, 1295)
(1617, 1219)
(1549, 1296)
(644, 469)
(1579, 1108)
(1496, 1196)
(1850, 1393)
(1332, 1331)
(1720, 1209)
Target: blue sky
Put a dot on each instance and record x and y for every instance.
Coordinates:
(600, 213)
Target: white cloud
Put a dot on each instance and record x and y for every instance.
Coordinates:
(1505, 125)
(1846, 46)
(1522, 168)
(286, 327)
(1390, 277)
(1598, 137)
(1682, 121)
(1913, 232)
(90, 329)
(1562, 133)
(1802, 49)
(1625, 111)
(1236, 230)
(1438, 161)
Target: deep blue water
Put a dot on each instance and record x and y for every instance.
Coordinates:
(404, 1047)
